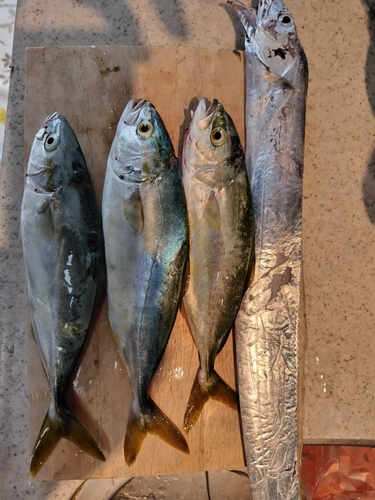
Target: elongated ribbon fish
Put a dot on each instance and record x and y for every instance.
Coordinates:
(221, 243)
(267, 326)
(145, 230)
(64, 259)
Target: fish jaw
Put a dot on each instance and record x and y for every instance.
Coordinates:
(197, 150)
(202, 117)
(247, 15)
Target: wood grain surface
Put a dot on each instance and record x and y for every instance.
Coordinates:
(90, 86)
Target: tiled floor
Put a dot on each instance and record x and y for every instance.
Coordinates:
(7, 16)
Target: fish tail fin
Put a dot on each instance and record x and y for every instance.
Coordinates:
(77, 434)
(152, 421)
(214, 388)
(64, 424)
(45, 443)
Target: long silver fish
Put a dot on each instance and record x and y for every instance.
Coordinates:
(221, 242)
(145, 231)
(64, 257)
(268, 324)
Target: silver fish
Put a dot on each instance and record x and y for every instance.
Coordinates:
(145, 231)
(221, 242)
(268, 324)
(64, 258)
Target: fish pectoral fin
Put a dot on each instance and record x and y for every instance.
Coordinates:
(185, 280)
(152, 421)
(133, 212)
(214, 388)
(212, 213)
(43, 207)
(33, 334)
(279, 81)
(66, 425)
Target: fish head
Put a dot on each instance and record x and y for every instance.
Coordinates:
(141, 144)
(210, 143)
(275, 38)
(55, 155)
(272, 36)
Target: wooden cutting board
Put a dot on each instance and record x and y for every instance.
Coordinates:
(90, 86)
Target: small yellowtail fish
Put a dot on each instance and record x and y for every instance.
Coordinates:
(64, 258)
(145, 230)
(221, 243)
(268, 329)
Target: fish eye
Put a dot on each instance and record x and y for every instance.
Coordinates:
(51, 142)
(218, 136)
(286, 20)
(145, 129)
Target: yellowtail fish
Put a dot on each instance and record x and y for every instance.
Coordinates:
(64, 258)
(268, 329)
(145, 230)
(221, 243)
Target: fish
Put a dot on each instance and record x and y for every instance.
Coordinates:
(145, 233)
(63, 250)
(220, 244)
(269, 328)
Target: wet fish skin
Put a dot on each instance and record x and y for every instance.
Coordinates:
(145, 229)
(63, 252)
(268, 324)
(220, 244)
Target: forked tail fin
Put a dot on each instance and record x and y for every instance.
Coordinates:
(152, 420)
(214, 388)
(64, 424)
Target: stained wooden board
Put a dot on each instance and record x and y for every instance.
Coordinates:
(91, 86)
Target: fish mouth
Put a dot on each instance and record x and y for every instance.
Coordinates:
(132, 111)
(247, 15)
(56, 116)
(204, 113)
(50, 118)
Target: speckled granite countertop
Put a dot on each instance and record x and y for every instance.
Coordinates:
(339, 202)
